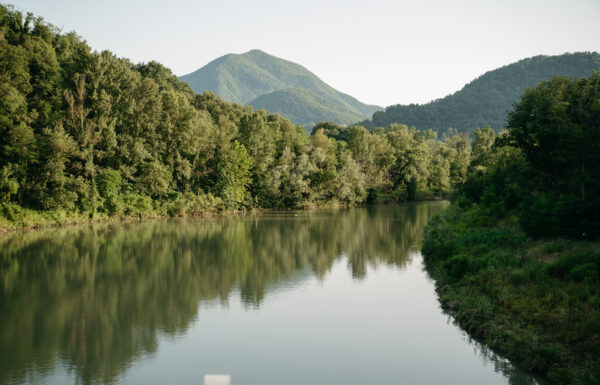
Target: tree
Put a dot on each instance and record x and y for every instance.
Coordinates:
(481, 147)
(557, 125)
(233, 170)
(460, 157)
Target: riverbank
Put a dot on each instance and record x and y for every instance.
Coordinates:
(534, 301)
(15, 218)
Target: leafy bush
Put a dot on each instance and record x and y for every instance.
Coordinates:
(198, 204)
(138, 204)
(12, 212)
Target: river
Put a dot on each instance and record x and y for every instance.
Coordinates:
(336, 296)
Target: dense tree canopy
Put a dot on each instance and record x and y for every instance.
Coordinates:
(547, 166)
(90, 134)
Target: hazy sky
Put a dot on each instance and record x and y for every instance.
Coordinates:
(381, 52)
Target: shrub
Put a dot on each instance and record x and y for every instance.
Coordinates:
(200, 203)
(12, 212)
(137, 204)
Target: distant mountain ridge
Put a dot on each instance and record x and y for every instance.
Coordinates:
(486, 100)
(258, 79)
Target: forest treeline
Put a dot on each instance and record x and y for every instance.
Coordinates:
(486, 100)
(516, 258)
(86, 134)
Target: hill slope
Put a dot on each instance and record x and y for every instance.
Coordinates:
(486, 100)
(241, 78)
(304, 107)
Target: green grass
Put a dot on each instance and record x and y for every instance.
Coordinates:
(534, 301)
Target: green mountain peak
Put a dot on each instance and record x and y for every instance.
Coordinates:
(249, 77)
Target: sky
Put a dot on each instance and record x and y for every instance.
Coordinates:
(381, 52)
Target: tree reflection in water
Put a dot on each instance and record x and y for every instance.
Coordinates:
(96, 298)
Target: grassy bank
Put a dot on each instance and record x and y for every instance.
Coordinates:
(14, 217)
(128, 207)
(534, 301)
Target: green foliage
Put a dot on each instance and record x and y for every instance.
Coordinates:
(518, 277)
(552, 214)
(585, 271)
(540, 180)
(575, 265)
(439, 240)
(233, 175)
(137, 204)
(535, 302)
(556, 126)
(88, 134)
(8, 186)
(201, 203)
(350, 181)
(109, 185)
(264, 81)
(401, 163)
(484, 101)
(457, 266)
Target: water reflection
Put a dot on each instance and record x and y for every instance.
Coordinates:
(96, 298)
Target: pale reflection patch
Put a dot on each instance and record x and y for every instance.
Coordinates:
(217, 379)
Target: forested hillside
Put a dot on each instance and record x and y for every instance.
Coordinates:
(486, 100)
(255, 76)
(86, 134)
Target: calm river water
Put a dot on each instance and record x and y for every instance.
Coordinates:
(285, 298)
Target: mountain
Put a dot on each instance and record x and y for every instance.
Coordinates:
(256, 77)
(486, 100)
(305, 107)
